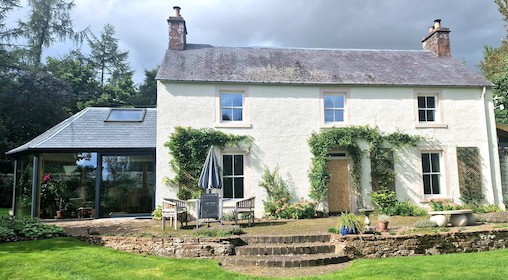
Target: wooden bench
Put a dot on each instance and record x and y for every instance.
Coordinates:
(457, 218)
(245, 206)
(171, 209)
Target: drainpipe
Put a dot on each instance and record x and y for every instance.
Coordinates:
(493, 153)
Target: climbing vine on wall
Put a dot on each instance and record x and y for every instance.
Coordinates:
(348, 138)
(188, 148)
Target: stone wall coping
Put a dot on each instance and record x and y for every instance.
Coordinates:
(451, 212)
(408, 236)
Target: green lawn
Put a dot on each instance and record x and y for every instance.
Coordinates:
(67, 258)
(4, 212)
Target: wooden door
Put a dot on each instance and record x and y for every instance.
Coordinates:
(338, 186)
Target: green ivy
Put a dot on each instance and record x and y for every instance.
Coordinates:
(348, 138)
(188, 148)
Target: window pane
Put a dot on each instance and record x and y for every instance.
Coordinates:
(328, 101)
(421, 102)
(227, 161)
(430, 116)
(237, 100)
(227, 191)
(238, 165)
(339, 116)
(238, 187)
(127, 115)
(421, 115)
(226, 100)
(431, 102)
(237, 114)
(426, 184)
(328, 116)
(425, 163)
(339, 101)
(435, 184)
(227, 114)
(435, 162)
(126, 186)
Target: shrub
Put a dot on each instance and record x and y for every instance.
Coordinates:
(14, 229)
(277, 190)
(488, 208)
(425, 224)
(406, 208)
(157, 213)
(444, 205)
(301, 210)
(384, 199)
(279, 203)
(229, 216)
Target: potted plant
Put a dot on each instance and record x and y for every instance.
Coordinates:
(350, 223)
(382, 222)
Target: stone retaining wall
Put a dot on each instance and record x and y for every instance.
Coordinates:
(168, 246)
(380, 246)
(354, 246)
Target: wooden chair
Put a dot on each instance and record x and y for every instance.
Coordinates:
(171, 209)
(245, 206)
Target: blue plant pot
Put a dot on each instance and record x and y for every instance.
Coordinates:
(346, 230)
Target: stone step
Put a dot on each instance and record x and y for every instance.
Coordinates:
(286, 239)
(285, 249)
(285, 260)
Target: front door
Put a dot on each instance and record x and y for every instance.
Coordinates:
(338, 186)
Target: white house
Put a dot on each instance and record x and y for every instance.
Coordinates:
(280, 96)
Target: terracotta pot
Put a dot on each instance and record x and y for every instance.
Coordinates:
(59, 215)
(383, 226)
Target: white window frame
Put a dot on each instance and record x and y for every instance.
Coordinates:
(443, 183)
(334, 92)
(438, 121)
(233, 176)
(244, 123)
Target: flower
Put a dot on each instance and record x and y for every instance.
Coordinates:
(47, 178)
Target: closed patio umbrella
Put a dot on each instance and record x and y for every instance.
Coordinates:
(210, 175)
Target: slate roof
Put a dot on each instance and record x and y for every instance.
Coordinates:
(88, 130)
(315, 66)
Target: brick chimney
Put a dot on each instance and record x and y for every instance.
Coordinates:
(177, 30)
(438, 40)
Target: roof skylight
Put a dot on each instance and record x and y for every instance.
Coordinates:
(126, 115)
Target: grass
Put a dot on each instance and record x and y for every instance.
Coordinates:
(4, 212)
(67, 258)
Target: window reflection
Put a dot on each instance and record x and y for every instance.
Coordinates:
(127, 185)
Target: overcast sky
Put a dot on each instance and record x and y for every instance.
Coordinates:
(141, 25)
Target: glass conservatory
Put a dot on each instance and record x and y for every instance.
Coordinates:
(113, 177)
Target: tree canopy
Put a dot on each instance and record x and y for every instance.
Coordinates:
(495, 68)
(38, 91)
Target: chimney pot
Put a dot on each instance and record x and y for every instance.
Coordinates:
(438, 40)
(437, 24)
(176, 11)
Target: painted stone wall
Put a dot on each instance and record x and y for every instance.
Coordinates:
(281, 119)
